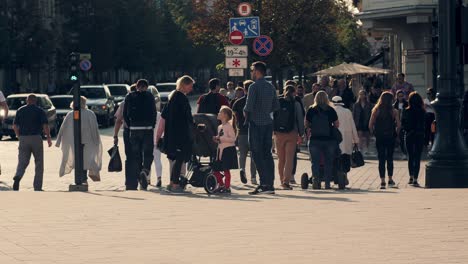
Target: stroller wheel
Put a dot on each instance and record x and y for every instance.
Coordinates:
(305, 181)
(211, 184)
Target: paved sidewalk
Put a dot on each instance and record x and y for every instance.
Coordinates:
(108, 225)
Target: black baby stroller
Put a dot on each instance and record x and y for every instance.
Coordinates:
(199, 172)
(341, 166)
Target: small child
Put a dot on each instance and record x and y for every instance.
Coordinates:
(157, 153)
(226, 153)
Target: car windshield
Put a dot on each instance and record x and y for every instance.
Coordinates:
(16, 102)
(62, 102)
(166, 87)
(118, 90)
(93, 92)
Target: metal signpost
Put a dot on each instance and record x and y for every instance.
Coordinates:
(74, 78)
(248, 26)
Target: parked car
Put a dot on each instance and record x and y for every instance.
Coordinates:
(118, 91)
(100, 101)
(18, 100)
(62, 105)
(164, 90)
(157, 97)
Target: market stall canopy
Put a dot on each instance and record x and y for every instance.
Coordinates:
(350, 69)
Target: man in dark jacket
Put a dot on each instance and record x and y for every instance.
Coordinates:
(140, 116)
(211, 102)
(345, 93)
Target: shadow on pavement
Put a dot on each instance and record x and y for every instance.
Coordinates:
(336, 199)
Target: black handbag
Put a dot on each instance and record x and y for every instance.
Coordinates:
(115, 163)
(357, 158)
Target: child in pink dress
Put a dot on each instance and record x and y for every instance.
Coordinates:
(226, 153)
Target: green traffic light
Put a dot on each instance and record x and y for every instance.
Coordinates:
(74, 78)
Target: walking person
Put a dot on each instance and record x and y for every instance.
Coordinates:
(157, 154)
(119, 123)
(3, 108)
(29, 125)
(347, 128)
(288, 127)
(140, 115)
(402, 85)
(177, 125)
(226, 155)
(243, 137)
(261, 102)
(90, 140)
(465, 117)
(345, 93)
(320, 120)
(362, 110)
(211, 102)
(385, 125)
(430, 116)
(231, 93)
(413, 123)
(401, 104)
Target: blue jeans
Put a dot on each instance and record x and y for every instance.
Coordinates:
(260, 140)
(327, 148)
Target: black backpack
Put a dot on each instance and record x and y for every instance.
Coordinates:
(320, 125)
(385, 126)
(209, 104)
(284, 118)
(137, 103)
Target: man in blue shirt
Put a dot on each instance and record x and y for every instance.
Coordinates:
(30, 122)
(262, 101)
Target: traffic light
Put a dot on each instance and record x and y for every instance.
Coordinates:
(74, 60)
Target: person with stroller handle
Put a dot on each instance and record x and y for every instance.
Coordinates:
(226, 157)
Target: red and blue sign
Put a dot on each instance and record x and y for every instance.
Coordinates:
(263, 45)
(85, 65)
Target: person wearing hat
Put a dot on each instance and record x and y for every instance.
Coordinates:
(347, 126)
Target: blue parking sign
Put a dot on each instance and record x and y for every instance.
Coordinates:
(249, 26)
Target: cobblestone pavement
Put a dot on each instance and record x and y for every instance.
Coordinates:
(108, 225)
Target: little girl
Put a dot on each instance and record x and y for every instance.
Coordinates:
(157, 153)
(226, 153)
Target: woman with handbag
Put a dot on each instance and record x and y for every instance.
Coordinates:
(226, 158)
(385, 125)
(413, 122)
(321, 120)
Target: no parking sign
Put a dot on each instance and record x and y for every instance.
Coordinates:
(263, 46)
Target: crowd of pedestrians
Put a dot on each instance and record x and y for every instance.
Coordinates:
(254, 119)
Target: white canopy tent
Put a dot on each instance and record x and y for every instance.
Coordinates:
(350, 69)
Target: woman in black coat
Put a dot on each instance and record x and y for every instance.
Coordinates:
(177, 124)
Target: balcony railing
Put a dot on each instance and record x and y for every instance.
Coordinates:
(385, 4)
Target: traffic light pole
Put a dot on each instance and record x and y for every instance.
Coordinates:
(448, 163)
(74, 58)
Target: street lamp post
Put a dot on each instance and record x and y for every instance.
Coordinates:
(448, 165)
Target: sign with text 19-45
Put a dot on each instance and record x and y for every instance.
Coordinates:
(236, 63)
(236, 51)
(248, 26)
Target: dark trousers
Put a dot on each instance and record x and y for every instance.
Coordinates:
(141, 155)
(429, 136)
(327, 150)
(385, 149)
(414, 145)
(260, 140)
(295, 162)
(176, 170)
(126, 139)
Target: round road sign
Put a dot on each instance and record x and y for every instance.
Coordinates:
(244, 9)
(236, 37)
(85, 65)
(263, 45)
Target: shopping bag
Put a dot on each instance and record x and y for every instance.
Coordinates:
(357, 158)
(115, 163)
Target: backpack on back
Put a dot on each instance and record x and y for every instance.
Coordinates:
(138, 102)
(209, 104)
(385, 126)
(320, 125)
(284, 118)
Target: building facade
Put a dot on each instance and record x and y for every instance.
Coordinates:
(407, 28)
